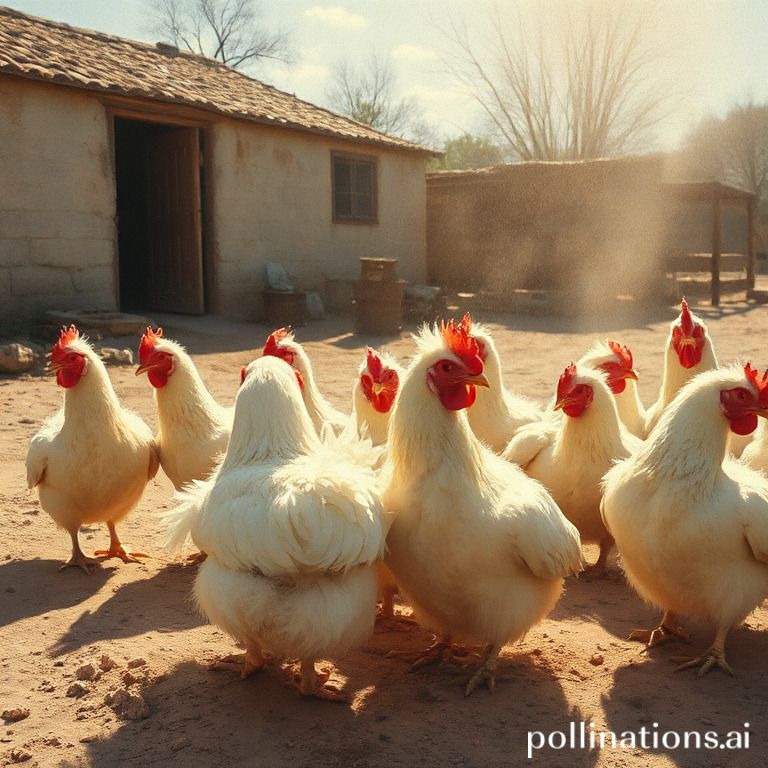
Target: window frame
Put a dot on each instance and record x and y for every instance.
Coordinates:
(354, 159)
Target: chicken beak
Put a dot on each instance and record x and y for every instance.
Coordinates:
(631, 374)
(54, 366)
(479, 380)
(142, 369)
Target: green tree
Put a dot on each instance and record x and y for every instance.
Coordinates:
(468, 151)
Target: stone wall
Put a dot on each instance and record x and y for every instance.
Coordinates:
(57, 216)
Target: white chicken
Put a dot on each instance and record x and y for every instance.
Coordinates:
(496, 413)
(615, 360)
(756, 453)
(281, 344)
(689, 351)
(692, 523)
(91, 461)
(477, 547)
(193, 429)
(570, 461)
(374, 393)
(292, 526)
(373, 396)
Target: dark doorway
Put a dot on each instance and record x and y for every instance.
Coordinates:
(158, 178)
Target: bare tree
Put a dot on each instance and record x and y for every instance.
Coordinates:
(367, 94)
(570, 87)
(228, 30)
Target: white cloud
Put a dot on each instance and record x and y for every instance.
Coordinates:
(410, 53)
(336, 16)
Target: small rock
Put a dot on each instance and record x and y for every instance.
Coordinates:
(87, 672)
(89, 739)
(127, 706)
(597, 659)
(16, 358)
(20, 756)
(179, 744)
(106, 663)
(128, 678)
(14, 715)
(58, 663)
(52, 742)
(112, 356)
(133, 663)
(76, 691)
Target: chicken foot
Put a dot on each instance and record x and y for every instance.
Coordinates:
(116, 548)
(600, 566)
(386, 618)
(667, 632)
(253, 660)
(78, 558)
(442, 650)
(486, 671)
(311, 683)
(713, 657)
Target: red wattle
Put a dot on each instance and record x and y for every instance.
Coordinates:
(744, 425)
(67, 377)
(458, 396)
(689, 356)
(157, 378)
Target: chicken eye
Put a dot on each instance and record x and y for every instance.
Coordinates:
(446, 367)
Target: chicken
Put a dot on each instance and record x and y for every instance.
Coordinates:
(193, 428)
(293, 528)
(691, 522)
(373, 396)
(477, 547)
(282, 344)
(570, 461)
(91, 461)
(689, 351)
(756, 453)
(615, 360)
(497, 413)
(374, 393)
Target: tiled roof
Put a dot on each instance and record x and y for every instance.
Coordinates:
(57, 53)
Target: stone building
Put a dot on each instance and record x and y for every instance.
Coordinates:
(138, 177)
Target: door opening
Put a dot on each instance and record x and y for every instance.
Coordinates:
(158, 179)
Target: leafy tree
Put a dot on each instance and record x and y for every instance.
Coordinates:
(468, 151)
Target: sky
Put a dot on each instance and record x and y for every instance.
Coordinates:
(712, 53)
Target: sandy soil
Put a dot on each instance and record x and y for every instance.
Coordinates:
(576, 666)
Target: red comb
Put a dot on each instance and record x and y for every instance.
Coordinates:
(148, 341)
(686, 321)
(66, 337)
(462, 345)
(274, 339)
(375, 366)
(466, 322)
(623, 353)
(760, 384)
(566, 379)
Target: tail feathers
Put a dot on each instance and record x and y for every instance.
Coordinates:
(351, 446)
(179, 521)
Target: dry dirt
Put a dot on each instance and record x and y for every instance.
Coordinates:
(139, 616)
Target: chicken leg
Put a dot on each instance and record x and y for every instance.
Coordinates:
(116, 548)
(78, 559)
(486, 671)
(600, 567)
(386, 618)
(667, 632)
(713, 657)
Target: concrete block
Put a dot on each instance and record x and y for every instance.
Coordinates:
(14, 253)
(41, 281)
(93, 279)
(77, 253)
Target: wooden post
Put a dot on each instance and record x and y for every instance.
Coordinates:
(750, 245)
(716, 246)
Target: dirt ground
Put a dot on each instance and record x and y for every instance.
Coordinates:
(574, 667)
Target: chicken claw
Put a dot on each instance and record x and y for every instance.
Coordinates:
(398, 622)
(310, 683)
(714, 657)
(79, 560)
(486, 671)
(667, 632)
(116, 549)
(245, 663)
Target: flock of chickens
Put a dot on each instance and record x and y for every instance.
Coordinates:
(469, 501)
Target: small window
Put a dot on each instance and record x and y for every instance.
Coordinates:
(354, 188)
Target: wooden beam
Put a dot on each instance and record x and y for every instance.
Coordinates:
(702, 262)
(751, 243)
(716, 247)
